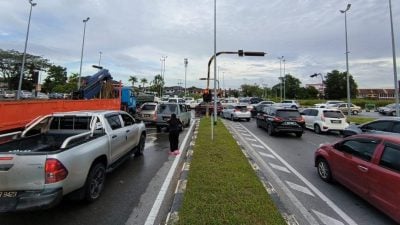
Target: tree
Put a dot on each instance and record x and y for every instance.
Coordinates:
(308, 93)
(336, 85)
(143, 81)
(292, 87)
(133, 80)
(157, 84)
(10, 68)
(251, 90)
(57, 76)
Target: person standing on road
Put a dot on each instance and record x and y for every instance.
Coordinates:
(174, 127)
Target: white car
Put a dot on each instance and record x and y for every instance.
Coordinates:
(236, 112)
(328, 104)
(289, 104)
(324, 120)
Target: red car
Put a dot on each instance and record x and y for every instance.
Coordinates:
(368, 165)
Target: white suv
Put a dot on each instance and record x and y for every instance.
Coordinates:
(289, 104)
(324, 120)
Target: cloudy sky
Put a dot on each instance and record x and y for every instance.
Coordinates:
(133, 35)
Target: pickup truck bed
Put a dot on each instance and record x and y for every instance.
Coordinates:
(48, 142)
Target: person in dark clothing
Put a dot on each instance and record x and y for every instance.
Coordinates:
(174, 127)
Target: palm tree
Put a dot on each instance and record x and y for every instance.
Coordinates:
(133, 80)
(143, 81)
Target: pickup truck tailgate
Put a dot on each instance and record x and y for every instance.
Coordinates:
(22, 172)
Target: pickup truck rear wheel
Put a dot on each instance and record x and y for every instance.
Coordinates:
(140, 148)
(95, 182)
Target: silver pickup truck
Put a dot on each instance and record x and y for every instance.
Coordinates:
(65, 153)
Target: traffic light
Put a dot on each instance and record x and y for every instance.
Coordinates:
(207, 96)
(240, 53)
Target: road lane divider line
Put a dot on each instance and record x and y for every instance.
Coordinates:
(251, 139)
(266, 155)
(326, 219)
(300, 188)
(258, 146)
(280, 168)
(311, 220)
(164, 188)
(329, 202)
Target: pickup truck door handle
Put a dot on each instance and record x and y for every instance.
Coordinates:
(362, 168)
(114, 136)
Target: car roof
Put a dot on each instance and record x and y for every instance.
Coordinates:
(86, 112)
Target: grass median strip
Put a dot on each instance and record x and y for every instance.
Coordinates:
(222, 187)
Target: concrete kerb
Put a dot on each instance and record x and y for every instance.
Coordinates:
(162, 204)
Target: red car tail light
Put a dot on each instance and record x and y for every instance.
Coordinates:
(300, 120)
(278, 119)
(55, 171)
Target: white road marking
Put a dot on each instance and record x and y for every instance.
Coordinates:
(281, 168)
(267, 155)
(164, 188)
(257, 146)
(300, 188)
(251, 139)
(331, 204)
(326, 219)
(247, 135)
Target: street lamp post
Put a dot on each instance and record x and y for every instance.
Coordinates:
(396, 85)
(24, 55)
(100, 57)
(347, 60)
(163, 58)
(83, 44)
(185, 60)
(284, 78)
(280, 74)
(322, 80)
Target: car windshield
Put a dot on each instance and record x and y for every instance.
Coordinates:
(148, 107)
(287, 113)
(333, 114)
(167, 109)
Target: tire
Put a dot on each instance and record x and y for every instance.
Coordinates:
(94, 184)
(393, 113)
(248, 119)
(270, 130)
(355, 112)
(232, 118)
(317, 129)
(299, 134)
(324, 171)
(140, 147)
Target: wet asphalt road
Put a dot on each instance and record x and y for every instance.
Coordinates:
(123, 190)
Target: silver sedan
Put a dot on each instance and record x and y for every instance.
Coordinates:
(236, 112)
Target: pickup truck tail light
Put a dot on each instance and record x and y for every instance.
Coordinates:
(55, 171)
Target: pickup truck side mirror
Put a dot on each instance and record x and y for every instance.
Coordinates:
(98, 126)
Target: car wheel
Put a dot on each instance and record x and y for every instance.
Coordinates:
(393, 113)
(355, 112)
(317, 129)
(324, 170)
(95, 182)
(258, 123)
(232, 118)
(140, 148)
(299, 134)
(248, 119)
(270, 130)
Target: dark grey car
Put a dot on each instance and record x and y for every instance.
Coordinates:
(381, 126)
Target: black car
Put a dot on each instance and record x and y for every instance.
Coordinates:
(381, 126)
(258, 108)
(280, 120)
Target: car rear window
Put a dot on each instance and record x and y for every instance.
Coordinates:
(241, 107)
(148, 107)
(333, 114)
(287, 113)
(167, 109)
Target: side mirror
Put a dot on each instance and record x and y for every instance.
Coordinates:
(98, 126)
